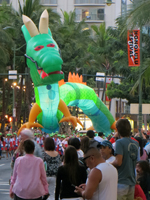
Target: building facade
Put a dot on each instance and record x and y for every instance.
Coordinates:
(93, 11)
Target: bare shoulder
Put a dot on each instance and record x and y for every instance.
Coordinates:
(95, 174)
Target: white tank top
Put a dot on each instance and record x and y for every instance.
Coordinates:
(107, 188)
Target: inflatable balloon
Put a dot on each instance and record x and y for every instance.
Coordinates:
(44, 61)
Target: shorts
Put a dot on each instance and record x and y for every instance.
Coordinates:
(125, 192)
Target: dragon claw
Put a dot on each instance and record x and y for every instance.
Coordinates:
(79, 122)
(29, 125)
(72, 119)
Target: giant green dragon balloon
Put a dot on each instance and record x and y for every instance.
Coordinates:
(44, 61)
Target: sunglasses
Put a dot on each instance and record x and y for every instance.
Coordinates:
(87, 157)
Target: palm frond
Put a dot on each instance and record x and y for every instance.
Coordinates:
(134, 87)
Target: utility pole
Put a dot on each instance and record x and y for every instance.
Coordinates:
(140, 84)
(14, 109)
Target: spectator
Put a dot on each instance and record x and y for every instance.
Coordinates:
(102, 180)
(143, 176)
(143, 154)
(126, 151)
(1, 143)
(76, 143)
(147, 149)
(107, 151)
(18, 152)
(29, 177)
(85, 144)
(139, 192)
(93, 142)
(144, 142)
(27, 134)
(52, 159)
(69, 174)
(99, 138)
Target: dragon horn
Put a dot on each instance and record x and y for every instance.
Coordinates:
(31, 27)
(43, 24)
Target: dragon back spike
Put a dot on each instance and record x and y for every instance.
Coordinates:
(69, 77)
(73, 77)
(81, 79)
(43, 24)
(77, 78)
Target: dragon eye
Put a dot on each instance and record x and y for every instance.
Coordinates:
(51, 45)
(38, 48)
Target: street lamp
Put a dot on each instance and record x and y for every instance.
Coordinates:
(109, 2)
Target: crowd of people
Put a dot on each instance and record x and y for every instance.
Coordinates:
(79, 166)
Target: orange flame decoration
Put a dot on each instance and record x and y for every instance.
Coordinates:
(73, 79)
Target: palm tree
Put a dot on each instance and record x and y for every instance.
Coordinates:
(73, 39)
(138, 14)
(6, 44)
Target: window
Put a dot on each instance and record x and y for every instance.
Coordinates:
(123, 6)
(88, 1)
(100, 14)
(89, 14)
(48, 1)
(127, 109)
(8, 1)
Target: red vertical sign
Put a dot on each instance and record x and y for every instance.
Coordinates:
(134, 48)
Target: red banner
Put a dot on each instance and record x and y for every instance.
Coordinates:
(134, 48)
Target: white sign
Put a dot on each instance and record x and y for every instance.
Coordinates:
(134, 108)
(100, 78)
(108, 80)
(13, 74)
(14, 112)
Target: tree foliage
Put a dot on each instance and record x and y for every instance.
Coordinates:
(73, 39)
(84, 49)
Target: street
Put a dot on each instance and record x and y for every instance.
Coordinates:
(5, 173)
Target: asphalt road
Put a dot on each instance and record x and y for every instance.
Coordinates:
(5, 173)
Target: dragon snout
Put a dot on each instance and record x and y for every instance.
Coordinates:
(51, 62)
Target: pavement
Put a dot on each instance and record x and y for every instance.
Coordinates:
(5, 174)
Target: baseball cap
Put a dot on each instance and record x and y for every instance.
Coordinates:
(106, 143)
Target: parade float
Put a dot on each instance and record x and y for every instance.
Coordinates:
(52, 94)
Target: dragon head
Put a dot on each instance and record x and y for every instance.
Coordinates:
(42, 52)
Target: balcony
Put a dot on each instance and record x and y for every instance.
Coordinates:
(91, 17)
(49, 2)
(8, 1)
(88, 2)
